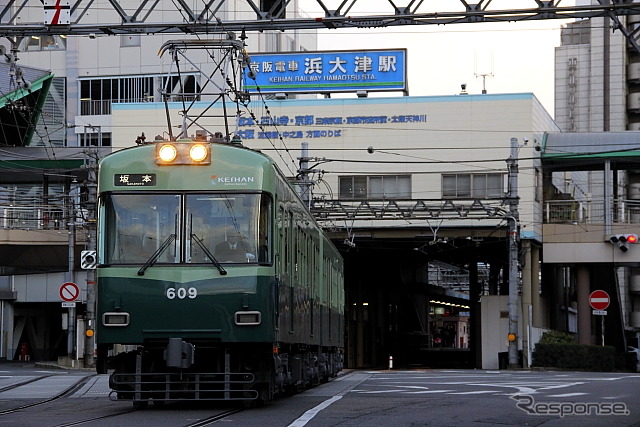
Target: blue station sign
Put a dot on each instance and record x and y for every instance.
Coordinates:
(331, 71)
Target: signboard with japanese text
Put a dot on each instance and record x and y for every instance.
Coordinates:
(134, 179)
(325, 72)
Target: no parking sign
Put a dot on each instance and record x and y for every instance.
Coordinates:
(69, 292)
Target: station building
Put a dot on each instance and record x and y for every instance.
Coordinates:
(413, 191)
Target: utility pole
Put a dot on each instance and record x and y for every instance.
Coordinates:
(512, 166)
(305, 184)
(90, 317)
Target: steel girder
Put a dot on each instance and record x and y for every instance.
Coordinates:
(111, 17)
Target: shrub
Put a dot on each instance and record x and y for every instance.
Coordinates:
(574, 356)
(555, 337)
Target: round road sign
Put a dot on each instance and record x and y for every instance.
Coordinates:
(69, 292)
(599, 300)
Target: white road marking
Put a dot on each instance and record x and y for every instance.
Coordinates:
(307, 416)
(566, 395)
(475, 392)
(356, 379)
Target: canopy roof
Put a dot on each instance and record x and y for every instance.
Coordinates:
(23, 91)
(584, 151)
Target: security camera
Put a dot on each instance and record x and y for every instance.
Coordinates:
(537, 146)
(525, 140)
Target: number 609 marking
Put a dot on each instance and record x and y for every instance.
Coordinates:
(182, 293)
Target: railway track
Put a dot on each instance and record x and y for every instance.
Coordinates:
(32, 381)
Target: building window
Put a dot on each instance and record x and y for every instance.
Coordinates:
(477, 186)
(42, 42)
(375, 187)
(50, 128)
(97, 95)
(102, 139)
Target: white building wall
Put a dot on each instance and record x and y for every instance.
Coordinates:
(495, 329)
(594, 109)
(451, 134)
(572, 87)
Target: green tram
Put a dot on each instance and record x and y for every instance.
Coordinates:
(214, 281)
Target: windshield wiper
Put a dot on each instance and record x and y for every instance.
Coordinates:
(154, 257)
(213, 259)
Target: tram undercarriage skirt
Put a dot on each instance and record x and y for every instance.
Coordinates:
(180, 386)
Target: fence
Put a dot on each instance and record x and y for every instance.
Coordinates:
(42, 217)
(572, 211)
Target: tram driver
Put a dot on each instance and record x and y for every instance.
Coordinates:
(235, 248)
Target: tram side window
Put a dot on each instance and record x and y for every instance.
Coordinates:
(265, 230)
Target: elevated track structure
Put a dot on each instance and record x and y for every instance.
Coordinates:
(112, 17)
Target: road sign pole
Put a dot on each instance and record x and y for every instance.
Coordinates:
(599, 301)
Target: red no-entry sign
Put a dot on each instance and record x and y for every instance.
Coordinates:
(599, 300)
(69, 291)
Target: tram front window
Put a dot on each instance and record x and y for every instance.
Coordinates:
(136, 226)
(233, 227)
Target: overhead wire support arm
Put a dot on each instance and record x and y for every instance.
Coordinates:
(403, 209)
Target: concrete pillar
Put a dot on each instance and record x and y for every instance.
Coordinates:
(584, 309)
(538, 309)
(475, 332)
(359, 309)
(556, 298)
(525, 301)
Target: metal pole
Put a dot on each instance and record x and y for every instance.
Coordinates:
(512, 164)
(71, 338)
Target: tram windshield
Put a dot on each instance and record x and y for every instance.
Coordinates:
(196, 228)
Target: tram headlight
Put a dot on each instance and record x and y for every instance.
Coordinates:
(183, 153)
(167, 153)
(198, 153)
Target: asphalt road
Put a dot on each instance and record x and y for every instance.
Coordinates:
(35, 396)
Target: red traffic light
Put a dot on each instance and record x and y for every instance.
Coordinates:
(623, 240)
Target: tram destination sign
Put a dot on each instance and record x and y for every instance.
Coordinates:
(328, 71)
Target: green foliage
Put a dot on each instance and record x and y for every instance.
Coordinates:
(575, 356)
(555, 337)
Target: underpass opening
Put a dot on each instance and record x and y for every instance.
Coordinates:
(416, 298)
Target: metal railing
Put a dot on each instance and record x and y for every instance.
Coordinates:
(40, 217)
(90, 107)
(589, 212)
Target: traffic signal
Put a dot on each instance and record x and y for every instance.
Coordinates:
(623, 240)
